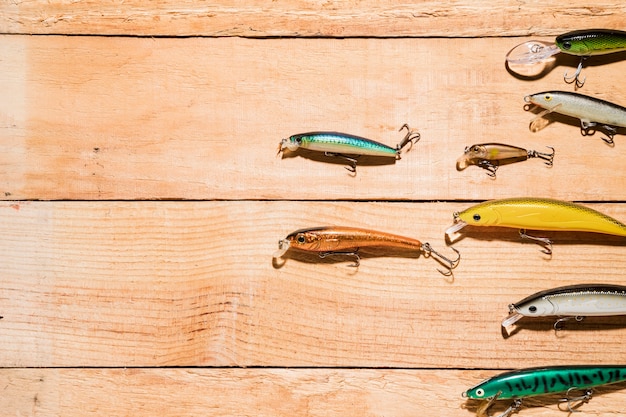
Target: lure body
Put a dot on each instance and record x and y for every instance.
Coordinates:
(342, 239)
(592, 42)
(538, 214)
(572, 300)
(589, 110)
(546, 380)
(490, 156)
(333, 240)
(338, 143)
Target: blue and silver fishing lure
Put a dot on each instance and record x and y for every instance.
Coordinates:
(347, 147)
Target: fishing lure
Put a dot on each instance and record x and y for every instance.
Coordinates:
(347, 241)
(347, 147)
(530, 382)
(592, 112)
(490, 156)
(537, 214)
(571, 301)
(531, 58)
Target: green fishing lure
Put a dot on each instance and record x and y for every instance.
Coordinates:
(531, 382)
(534, 57)
(346, 146)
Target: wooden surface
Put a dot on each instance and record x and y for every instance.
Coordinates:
(143, 199)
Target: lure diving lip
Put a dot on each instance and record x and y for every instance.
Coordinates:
(580, 300)
(490, 156)
(347, 147)
(536, 214)
(592, 112)
(337, 240)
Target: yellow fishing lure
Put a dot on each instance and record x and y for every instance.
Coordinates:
(537, 214)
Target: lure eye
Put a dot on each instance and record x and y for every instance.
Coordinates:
(300, 239)
(298, 141)
(476, 149)
(532, 309)
(547, 97)
(567, 45)
(476, 217)
(480, 392)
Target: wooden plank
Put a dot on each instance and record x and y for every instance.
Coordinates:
(193, 284)
(262, 392)
(307, 18)
(202, 118)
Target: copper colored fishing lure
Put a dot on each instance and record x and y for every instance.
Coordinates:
(347, 241)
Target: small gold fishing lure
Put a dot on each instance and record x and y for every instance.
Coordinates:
(346, 241)
(490, 156)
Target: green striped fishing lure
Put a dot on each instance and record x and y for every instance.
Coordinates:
(347, 147)
(531, 382)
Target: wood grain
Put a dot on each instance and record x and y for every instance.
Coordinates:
(202, 118)
(262, 392)
(300, 18)
(193, 284)
(115, 301)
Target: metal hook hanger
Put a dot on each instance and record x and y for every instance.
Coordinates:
(589, 128)
(351, 161)
(558, 324)
(547, 157)
(489, 167)
(547, 243)
(482, 410)
(429, 251)
(574, 403)
(576, 77)
(410, 137)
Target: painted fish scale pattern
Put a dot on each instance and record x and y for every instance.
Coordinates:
(349, 140)
(564, 205)
(592, 42)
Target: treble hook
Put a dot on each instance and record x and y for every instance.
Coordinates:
(351, 161)
(547, 157)
(610, 131)
(575, 78)
(558, 324)
(489, 167)
(482, 410)
(574, 403)
(429, 251)
(547, 243)
(354, 254)
(410, 137)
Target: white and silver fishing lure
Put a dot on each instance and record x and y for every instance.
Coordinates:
(571, 301)
(593, 112)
